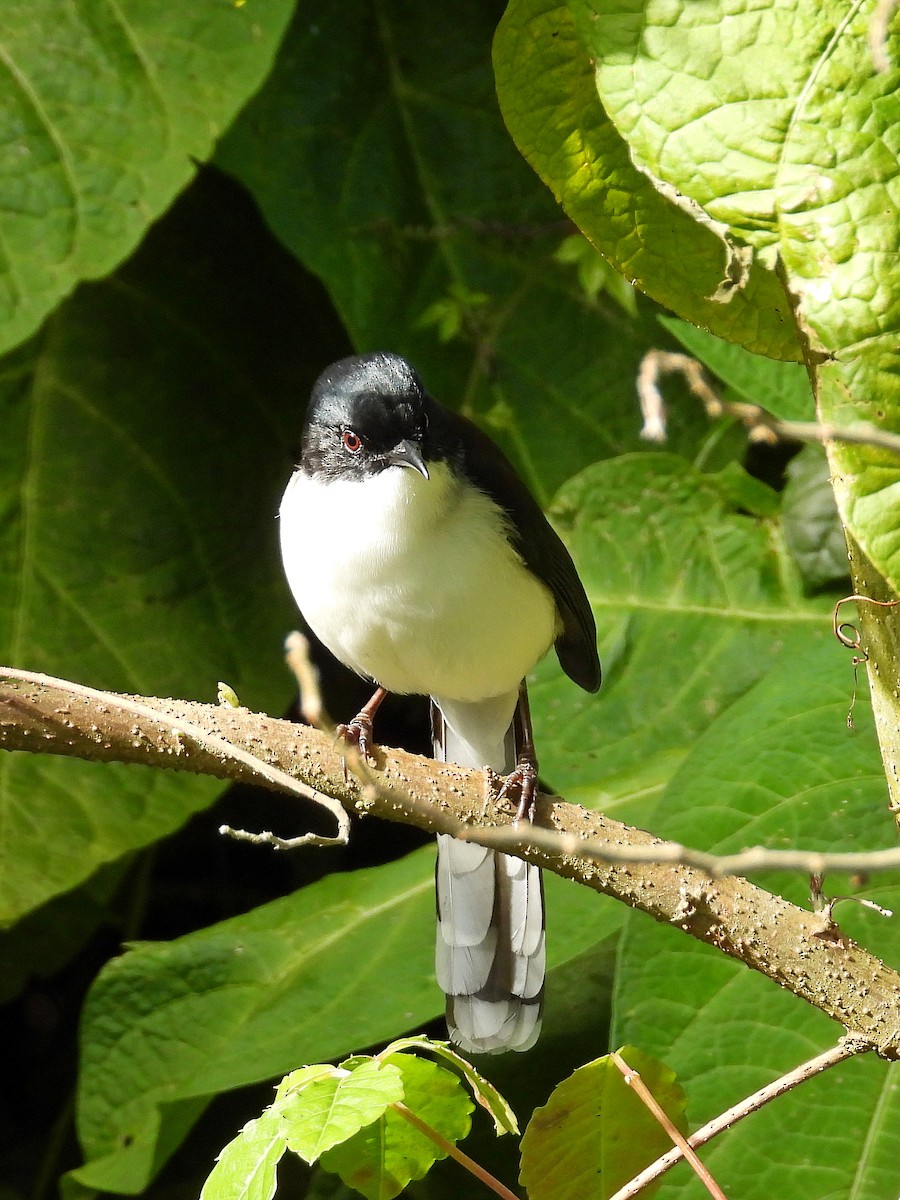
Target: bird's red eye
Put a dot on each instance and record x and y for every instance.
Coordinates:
(352, 441)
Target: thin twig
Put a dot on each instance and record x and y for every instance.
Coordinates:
(448, 1148)
(762, 426)
(301, 666)
(267, 838)
(817, 431)
(213, 743)
(878, 32)
(305, 672)
(634, 1081)
(845, 1048)
(653, 407)
(514, 838)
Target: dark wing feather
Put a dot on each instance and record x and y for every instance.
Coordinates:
(485, 464)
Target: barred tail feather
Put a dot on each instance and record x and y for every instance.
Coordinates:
(489, 948)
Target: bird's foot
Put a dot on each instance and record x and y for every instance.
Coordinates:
(358, 732)
(523, 778)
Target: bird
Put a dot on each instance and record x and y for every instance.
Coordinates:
(419, 558)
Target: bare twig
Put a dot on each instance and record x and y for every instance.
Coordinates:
(845, 1048)
(304, 670)
(634, 1081)
(762, 426)
(267, 838)
(717, 866)
(878, 32)
(653, 407)
(296, 655)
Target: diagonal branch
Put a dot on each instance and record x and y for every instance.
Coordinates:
(789, 945)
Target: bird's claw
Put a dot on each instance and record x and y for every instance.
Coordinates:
(525, 778)
(357, 733)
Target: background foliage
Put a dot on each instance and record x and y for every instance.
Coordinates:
(369, 195)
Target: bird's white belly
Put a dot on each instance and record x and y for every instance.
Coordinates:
(413, 583)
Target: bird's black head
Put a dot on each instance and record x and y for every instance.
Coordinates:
(366, 413)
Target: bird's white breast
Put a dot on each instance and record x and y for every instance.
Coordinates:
(412, 582)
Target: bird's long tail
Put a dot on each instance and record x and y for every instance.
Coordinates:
(489, 955)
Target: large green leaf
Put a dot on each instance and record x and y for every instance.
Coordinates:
(782, 388)
(416, 197)
(306, 978)
(781, 769)
(44, 942)
(340, 965)
(693, 599)
(140, 465)
(544, 61)
(682, 84)
(812, 527)
(799, 160)
(103, 110)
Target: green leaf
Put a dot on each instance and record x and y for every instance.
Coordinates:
(246, 1168)
(384, 1157)
(137, 538)
(546, 83)
(594, 1134)
(313, 975)
(330, 1109)
(812, 527)
(595, 274)
(779, 769)
(101, 124)
(782, 388)
(417, 203)
(798, 160)
(693, 598)
(482, 1089)
(840, 254)
(42, 943)
(296, 1081)
(340, 965)
(747, 494)
(682, 85)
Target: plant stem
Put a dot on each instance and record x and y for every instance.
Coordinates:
(845, 1048)
(633, 1079)
(454, 1152)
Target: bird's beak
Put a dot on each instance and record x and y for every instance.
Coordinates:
(408, 454)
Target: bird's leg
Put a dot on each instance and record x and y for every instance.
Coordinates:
(359, 731)
(525, 774)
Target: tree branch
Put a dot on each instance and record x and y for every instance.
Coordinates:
(793, 947)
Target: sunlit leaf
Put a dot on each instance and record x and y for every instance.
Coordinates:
(384, 1157)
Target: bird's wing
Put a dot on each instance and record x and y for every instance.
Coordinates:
(540, 547)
